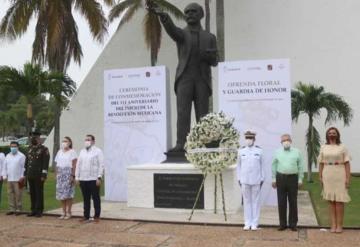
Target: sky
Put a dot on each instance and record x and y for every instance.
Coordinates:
(17, 53)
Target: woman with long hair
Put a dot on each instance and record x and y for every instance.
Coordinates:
(65, 176)
(334, 175)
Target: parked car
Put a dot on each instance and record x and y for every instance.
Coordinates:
(5, 141)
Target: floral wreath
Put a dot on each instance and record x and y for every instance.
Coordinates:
(212, 143)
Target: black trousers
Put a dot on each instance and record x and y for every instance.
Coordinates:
(190, 90)
(287, 190)
(90, 190)
(36, 187)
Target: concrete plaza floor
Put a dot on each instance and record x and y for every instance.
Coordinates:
(269, 215)
(49, 231)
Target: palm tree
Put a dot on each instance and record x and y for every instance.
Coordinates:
(28, 82)
(61, 87)
(152, 27)
(310, 100)
(56, 40)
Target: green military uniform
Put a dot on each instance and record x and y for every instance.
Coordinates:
(36, 168)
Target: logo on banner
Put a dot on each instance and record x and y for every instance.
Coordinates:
(147, 74)
(269, 67)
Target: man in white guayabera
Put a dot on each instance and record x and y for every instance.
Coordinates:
(89, 171)
(251, 175)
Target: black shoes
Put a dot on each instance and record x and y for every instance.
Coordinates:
(283, 228)
(34, 214)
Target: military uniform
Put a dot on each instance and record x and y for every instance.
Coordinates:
(36, 169)
(251, 175)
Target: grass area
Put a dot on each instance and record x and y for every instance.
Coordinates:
(352, 216)
(49, 195)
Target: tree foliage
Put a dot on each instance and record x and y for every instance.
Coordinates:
(310, 99)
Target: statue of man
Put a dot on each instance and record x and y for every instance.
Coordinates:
(197, 51)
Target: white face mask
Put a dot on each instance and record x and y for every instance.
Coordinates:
(249, 142)
(64, 145)
(286, 144)
(87, 144)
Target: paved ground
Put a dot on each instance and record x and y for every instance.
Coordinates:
(269, 215)
(50, 231)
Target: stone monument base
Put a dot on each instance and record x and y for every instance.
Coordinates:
(142, 190)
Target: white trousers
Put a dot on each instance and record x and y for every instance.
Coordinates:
(251, 200)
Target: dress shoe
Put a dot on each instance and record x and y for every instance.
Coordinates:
(246, 228)
(10, 213)
(38, 215)
(84, 220)
(32, 214)
(282, 228)
(96, 219)
(254, 228)
(17, 213)
(294, 229)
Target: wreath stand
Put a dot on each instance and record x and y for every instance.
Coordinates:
(205, 174)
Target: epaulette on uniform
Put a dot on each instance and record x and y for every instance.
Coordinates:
(257, 146)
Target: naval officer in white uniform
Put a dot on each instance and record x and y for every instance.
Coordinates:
(251, 175)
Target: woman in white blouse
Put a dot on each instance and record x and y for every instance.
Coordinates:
(65, 176)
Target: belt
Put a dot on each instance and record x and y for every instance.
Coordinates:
(333, 163)
(286, 175)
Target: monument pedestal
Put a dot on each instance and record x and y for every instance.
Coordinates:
(142, 192)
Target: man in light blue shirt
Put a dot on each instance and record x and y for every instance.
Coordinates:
(287, 175)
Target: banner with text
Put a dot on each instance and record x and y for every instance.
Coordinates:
(136, 123)
(258, 95)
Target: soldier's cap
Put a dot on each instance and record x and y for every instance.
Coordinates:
(35, 133)
(249, 134)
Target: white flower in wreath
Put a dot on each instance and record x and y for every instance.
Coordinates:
(215, 130)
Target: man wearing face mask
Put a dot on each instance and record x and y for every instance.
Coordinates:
(13, 172)
(287, 176)
(36, 169)
(88, 173)
(251, 175)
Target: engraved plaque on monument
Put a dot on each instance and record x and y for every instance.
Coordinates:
(177, 190)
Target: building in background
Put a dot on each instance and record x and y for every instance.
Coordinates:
(321, 38)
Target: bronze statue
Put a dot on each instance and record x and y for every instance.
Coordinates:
(197, 51)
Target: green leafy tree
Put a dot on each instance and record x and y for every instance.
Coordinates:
(28, 82)
(61, 87)
(310, 99)
(152, 27)
(56, 40)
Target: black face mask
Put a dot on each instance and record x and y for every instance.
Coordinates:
(34, 141)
